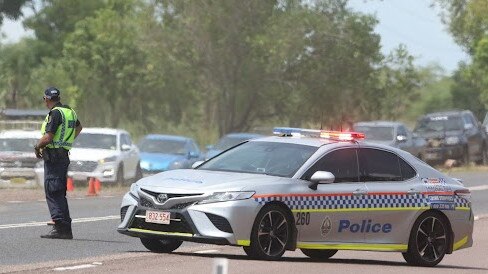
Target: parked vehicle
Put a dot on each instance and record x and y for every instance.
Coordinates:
(164, 152)
(393, 134)
(107, 154)
(318, 191)
(229, 141)
(452, 135)
(485, 123)
(17, 159)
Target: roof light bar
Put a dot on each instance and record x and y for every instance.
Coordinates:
(333, 135)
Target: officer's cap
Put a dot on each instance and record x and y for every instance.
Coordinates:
(52, 93)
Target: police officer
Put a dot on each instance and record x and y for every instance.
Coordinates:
(60, 128)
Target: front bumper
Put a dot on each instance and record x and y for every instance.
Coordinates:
(225, 223)
(106, 173)
(443, 153)
(22, 177)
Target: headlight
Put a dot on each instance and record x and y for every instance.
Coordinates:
(175, 165)
(227, 196)
(453, 140)
(108, 159)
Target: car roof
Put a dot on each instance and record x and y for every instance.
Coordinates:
(111, 131)
(18, 134)
(378, 123)
(446, 113)
(167, 137)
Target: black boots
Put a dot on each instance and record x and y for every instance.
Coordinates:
(59, 232)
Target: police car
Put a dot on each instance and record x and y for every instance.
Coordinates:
(313, 190)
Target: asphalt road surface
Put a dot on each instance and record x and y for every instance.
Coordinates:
(98, 248)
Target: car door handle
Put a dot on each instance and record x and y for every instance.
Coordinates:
(413, 192)
(359, 192)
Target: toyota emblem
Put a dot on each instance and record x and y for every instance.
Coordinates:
(162, 198)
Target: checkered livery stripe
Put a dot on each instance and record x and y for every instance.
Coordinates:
(352, 202)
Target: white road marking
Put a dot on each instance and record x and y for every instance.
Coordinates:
(206, 251)
(79, 220)
(76, 267)
(476, 188)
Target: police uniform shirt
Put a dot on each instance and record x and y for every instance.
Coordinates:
(55, 119)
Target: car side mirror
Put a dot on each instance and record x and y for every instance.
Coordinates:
(125, 147)
(321, 177)
(401, 138)
(197, 164)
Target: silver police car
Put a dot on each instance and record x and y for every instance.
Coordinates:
(314, 190)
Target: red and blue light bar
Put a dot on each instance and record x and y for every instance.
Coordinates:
(326, 134)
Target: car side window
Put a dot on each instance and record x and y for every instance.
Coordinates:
(194, 147)
(342, 163)
(125, 140)
(380, 166)
(402, 131)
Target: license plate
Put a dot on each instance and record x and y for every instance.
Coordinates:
(158, 217)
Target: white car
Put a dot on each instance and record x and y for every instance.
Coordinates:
(106, 154)
(17, 158)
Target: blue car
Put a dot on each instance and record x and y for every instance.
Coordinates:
(164, 152)
(229, 141)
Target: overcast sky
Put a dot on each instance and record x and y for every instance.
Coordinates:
(409, 22)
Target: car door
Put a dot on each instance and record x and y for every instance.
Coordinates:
(474, 135)
(394, 196)
(338, 207)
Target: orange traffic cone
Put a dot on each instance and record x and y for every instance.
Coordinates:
(97, 186)
(69, 184)
(91, 187)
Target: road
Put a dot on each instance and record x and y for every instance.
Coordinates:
(97, 247)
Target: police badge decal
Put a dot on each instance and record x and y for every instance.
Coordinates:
(326, 227)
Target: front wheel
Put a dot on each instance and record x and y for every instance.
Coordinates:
(428, 241)
(319, 254)
(119, 179)
(271, 233)
(161, 245)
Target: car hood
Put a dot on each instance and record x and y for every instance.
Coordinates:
(89, 154)
(203, 181)
(439, 134)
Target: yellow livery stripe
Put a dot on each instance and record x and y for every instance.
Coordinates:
(244, 242)
(362, 209)
(160, 232)
(460, 243)
(355, 246)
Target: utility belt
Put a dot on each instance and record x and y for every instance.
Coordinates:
(53, 155)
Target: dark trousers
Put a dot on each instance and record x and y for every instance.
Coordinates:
(55, 173)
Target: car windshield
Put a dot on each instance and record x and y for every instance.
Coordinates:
(17, 144)
(378, 133)
(440, 123)
(162, 146)
(96, 140)
(230, 141)
(278, 159)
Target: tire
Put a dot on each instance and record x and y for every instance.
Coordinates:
(271, 233)
(119, 179)
(161, 245)
(319, 254)
(466, 156)
(138, 174)
(484, 156)
(429, 240)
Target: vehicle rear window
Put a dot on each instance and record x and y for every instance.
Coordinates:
(271, 158)
(96, 141)
(163, 146)
(379, 165)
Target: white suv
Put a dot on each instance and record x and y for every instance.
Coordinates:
(106, 154)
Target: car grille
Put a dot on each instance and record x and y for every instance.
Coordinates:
(83, 166)
(170, 195)
(220, 222)
(24, 163)
(123, 211)
(181, 226)
(182, 205)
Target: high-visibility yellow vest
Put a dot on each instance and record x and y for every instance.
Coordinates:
(65, 134)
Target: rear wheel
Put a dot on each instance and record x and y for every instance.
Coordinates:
(484, 156)
(271, 233)
(429, 240)
(138, 175)
(161, 245)
(466, 156)
(319, 254)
